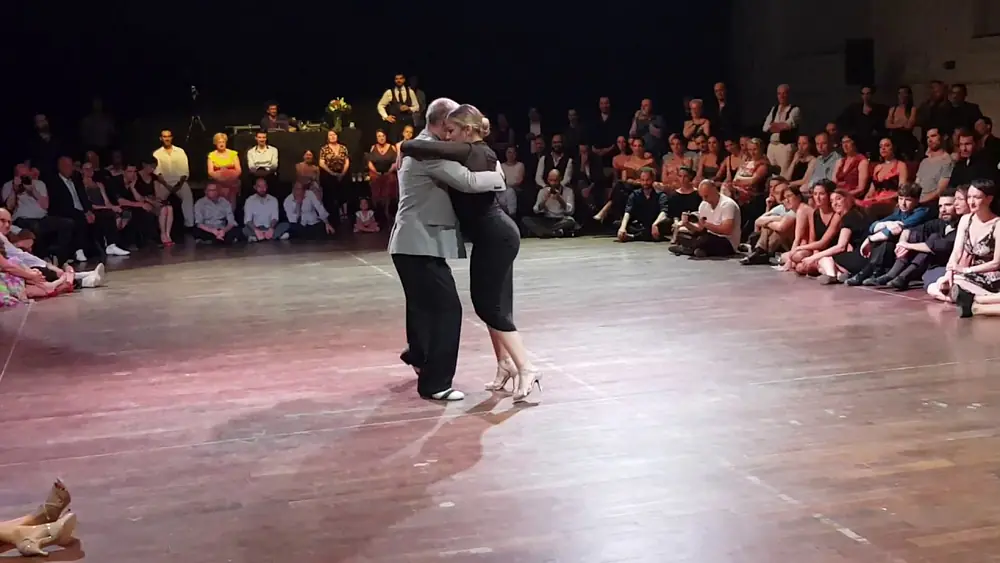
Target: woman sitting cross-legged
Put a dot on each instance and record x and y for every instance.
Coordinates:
(972, 280)
(843, 259)
(821, 231)
(880, 246)
(777, 227)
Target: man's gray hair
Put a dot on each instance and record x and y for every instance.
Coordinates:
(439, 109)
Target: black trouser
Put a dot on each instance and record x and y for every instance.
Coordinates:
(53, 235)
(750, 212)
(233, 235)
(548, 227)
(308, 232)
(105, 228)
(711, 245)
(433, 319)
(143, 227)
(640, 231)
(396, 129)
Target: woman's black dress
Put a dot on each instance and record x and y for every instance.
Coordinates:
(494, 236)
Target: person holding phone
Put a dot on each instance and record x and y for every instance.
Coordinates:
(715, 230)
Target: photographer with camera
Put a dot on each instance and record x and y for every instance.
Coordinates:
(27, 200)
(555, 205)
(714, 230)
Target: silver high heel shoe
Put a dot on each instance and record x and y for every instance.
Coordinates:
(528, 379)
(506, 371)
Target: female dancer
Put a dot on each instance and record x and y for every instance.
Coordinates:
(495, 243)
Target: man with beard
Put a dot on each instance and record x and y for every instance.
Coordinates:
(925, 246)
(556, 159)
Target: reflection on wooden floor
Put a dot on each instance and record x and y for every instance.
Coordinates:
(252, 409)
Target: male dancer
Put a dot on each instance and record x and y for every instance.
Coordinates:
(424, 236)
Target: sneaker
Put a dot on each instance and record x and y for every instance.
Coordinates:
(115, 250)
(285, 236)
(824, 279)
(80, 256)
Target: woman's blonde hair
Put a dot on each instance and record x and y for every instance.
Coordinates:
(218, 136)
(469, 116)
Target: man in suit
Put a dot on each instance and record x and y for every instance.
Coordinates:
(423, 237)
(68, 199)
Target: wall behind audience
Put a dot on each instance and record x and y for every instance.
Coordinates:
(791, 41)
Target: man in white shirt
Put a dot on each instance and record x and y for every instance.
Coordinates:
(782, 128)
(307, 217)
(27, 199)
(260, 215)
(172, 174)
(397, 106)
(554, 209)
(715, 230)
(262, 159)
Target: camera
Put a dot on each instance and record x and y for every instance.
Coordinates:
(25, 180)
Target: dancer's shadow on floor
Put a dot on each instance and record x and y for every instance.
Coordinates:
(353, 485)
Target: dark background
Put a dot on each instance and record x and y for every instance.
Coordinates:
(142, 58)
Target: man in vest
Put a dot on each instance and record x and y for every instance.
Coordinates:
(782, 126)
(555, 159)
(397, 107)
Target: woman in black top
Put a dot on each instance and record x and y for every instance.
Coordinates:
(844, 258)
(495, 244)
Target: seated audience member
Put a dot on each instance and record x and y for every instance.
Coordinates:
(823, 168)
(776, 226)
(684, 199)
(261, 215)
(274, 121)
(262, 158)
(732, 163)
(749, 186)
(803, 161)
(645, 215)
(382, 171)
(364, 218)
(970, 164)
(934, 172)
(821, 232)
(28, 201)
(715, 230)
(307, 217)
(68, 199)
(972, 280)
(851, 172)
(673, 161)
(18, 247)
(926, 246)
(141, 213)
(989, 144)
(698, 124)
(225, 169)
(213, 218)
(554, 210)
(619, 155)
(107, 213)
(886, 179)
(710, 162)
(307, 172)
(843, 259)
(880, 246)
(589, 182)
(145, 188)
(513, 172)
(628, 180)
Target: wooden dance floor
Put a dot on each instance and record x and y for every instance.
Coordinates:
(249, 407)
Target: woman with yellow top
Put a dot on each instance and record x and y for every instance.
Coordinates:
(224, 168)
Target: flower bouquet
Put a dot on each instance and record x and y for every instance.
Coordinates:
(335, 111)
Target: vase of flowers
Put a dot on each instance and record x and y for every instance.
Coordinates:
(335, 111)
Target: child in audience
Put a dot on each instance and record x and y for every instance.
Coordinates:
(364, 219)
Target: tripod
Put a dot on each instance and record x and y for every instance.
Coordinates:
(195, 115)
(195, 121)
